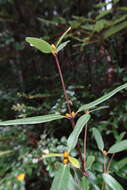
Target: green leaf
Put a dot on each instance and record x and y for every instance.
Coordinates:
(122, 8)
(62, 45)
(2, 153)
(61, 179)
(89, 162)
(85, 183)
(88, 27)
(109, 180)
(117, 20)
(99, 108)
(32, 120)
(61, 38)
(102, 99)
(73, 185)
(74, 162)
(98, 138)
(73, 138)
(118, 147)
(39, 44)
(102, 14)
(52, 155)
(115, 29)
(122, 163)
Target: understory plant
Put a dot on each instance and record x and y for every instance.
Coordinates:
(74, 173)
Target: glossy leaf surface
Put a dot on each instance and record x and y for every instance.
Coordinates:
(61, 179)
(32, 120)
(39, 44)
(73, 138)
(102, 99)
(98, 138)
(109, 180)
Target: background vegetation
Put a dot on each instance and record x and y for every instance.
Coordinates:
(93, 62)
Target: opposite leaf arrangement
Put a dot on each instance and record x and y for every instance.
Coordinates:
(74, 172)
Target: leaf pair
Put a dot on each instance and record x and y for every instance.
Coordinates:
(45, 47)
(72, 160)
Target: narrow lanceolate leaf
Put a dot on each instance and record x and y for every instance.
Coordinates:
(89, 162)
(32, 120)
(118, 147)
(74, 162)
(61, 38)
(111, 182)
(61, 179)
(98, 138)
(73, 138)
(39, 44)
(99, 108)
(62, 45)
(73, 185)
(115, 29)
(49, 155)
(85, 183)
(102, 99)
(2, 153)
(122, 163)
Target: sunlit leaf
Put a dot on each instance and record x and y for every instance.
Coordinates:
(109, 180)
(102, 99)
(89, 162)
(73, 138)
(118, 147)
(39, 44)
(98, 138)
(2, 153)
(74, 162)
(32, 120)
(61, 178)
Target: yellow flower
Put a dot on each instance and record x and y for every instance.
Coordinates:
(69, 116)
(21, 177)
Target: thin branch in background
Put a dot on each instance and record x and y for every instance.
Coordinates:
(109, 164)
(85, 144)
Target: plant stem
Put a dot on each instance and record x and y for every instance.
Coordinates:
(85, 139)
(62, 82)
(68, 104)
(109, 164)
(105, 160)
